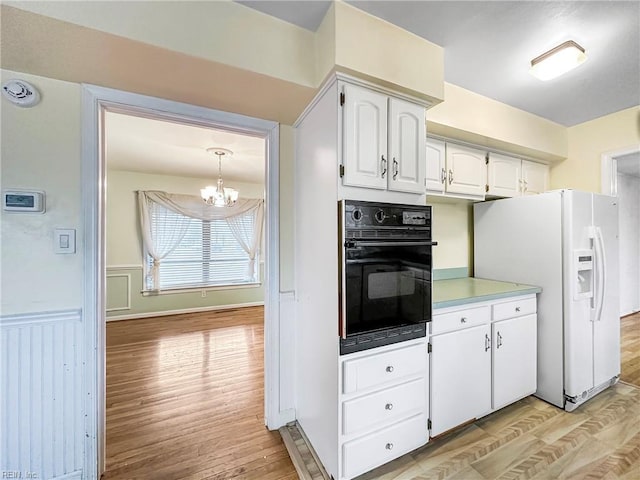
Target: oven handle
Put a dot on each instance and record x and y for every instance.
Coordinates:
(355, 244)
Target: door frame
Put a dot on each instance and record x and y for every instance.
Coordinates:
(95, 102)
(609, 169)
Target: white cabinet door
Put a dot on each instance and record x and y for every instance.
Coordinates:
(535, 178)
(407, 149)
(504, 176)
(365, 138)
(466, 170)
(460, 377)
(514, 359)
(436, 167)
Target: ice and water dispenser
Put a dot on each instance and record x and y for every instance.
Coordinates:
(583, 274)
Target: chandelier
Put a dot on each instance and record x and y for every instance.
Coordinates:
(219, 196)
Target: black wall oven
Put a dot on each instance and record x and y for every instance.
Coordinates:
(386, 266)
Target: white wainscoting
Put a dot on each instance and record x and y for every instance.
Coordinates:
(41, 411)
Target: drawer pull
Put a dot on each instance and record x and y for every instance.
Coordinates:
(388, 406)
(389, 369)
(389, 446)
(463, 320)
(517, 309)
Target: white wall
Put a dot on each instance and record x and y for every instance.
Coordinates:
(629, 221)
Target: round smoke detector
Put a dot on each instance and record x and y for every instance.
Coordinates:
(21, 93)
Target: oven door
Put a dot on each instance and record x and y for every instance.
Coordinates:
(387, 284)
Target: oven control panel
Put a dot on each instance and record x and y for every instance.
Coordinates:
(360, 214)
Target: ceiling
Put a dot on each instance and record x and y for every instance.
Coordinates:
(488, 46)
(146, 145)
(629, 164)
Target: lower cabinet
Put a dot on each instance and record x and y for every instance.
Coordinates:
(460, 367)
(480, 362)
(514, 359)
(384, 405)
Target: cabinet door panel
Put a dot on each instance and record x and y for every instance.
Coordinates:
(514, 359)
(406, 146)
(365, 138)
(460, 377)
(466, 170)
(535, 177)
(504, 175)
(435, 171)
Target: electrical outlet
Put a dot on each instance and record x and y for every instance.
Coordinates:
(203, 293)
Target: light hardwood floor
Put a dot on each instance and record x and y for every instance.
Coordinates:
(185, 399)
(630, 349)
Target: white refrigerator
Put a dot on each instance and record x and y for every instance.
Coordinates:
(566, 242)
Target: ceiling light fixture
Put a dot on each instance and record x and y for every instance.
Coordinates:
(219, 196)
(557, 61)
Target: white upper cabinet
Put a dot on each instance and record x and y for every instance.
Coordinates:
(512, 177)
(466, 170)
(406, 146)
(383, 141)
(365, 138)
(436, 171)
(535, 178)
(504, 175)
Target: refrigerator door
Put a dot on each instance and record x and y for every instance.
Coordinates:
(578, 327)
(606, 324)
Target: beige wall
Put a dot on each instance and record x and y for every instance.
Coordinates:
(124, 246)
(41, 151)
(467, 116)
(221, 31)
(586, 144)
(453, 230)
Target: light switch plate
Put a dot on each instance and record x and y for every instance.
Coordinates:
(64, 240)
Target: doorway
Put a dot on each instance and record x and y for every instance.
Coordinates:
(621, 178)
(97, 102)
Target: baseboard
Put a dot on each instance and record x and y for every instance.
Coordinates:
(132, 316)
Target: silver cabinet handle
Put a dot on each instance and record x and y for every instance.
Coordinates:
(525, 185)
(517, 309)
(450, 177)
(384, 166)
(443, 175)
(463, 320)
(395, 168)
(499, 340)
(388, 406)
(389, 446)
(389, 369)
(487, 342)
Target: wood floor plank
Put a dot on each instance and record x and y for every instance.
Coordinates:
(185, 399)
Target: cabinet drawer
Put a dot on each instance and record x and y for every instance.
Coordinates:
(515, 308)
(470, 317)
(378, 369)
(381, 407)
(370, 451)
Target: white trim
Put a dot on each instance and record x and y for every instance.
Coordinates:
(208, 288)
(56, 316)
(131, 316)
(609, 169)
(128, 304)
(125, 266)
(95, 101)
(77, 475)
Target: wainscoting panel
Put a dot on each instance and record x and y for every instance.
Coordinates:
(41, 417)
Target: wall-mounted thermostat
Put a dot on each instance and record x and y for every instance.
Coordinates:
(23, 201)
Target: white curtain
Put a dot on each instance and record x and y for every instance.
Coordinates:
(165, 237)
(191, 206)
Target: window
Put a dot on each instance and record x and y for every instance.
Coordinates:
(208, 254)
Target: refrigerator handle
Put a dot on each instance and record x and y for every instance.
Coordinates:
(602, 272)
